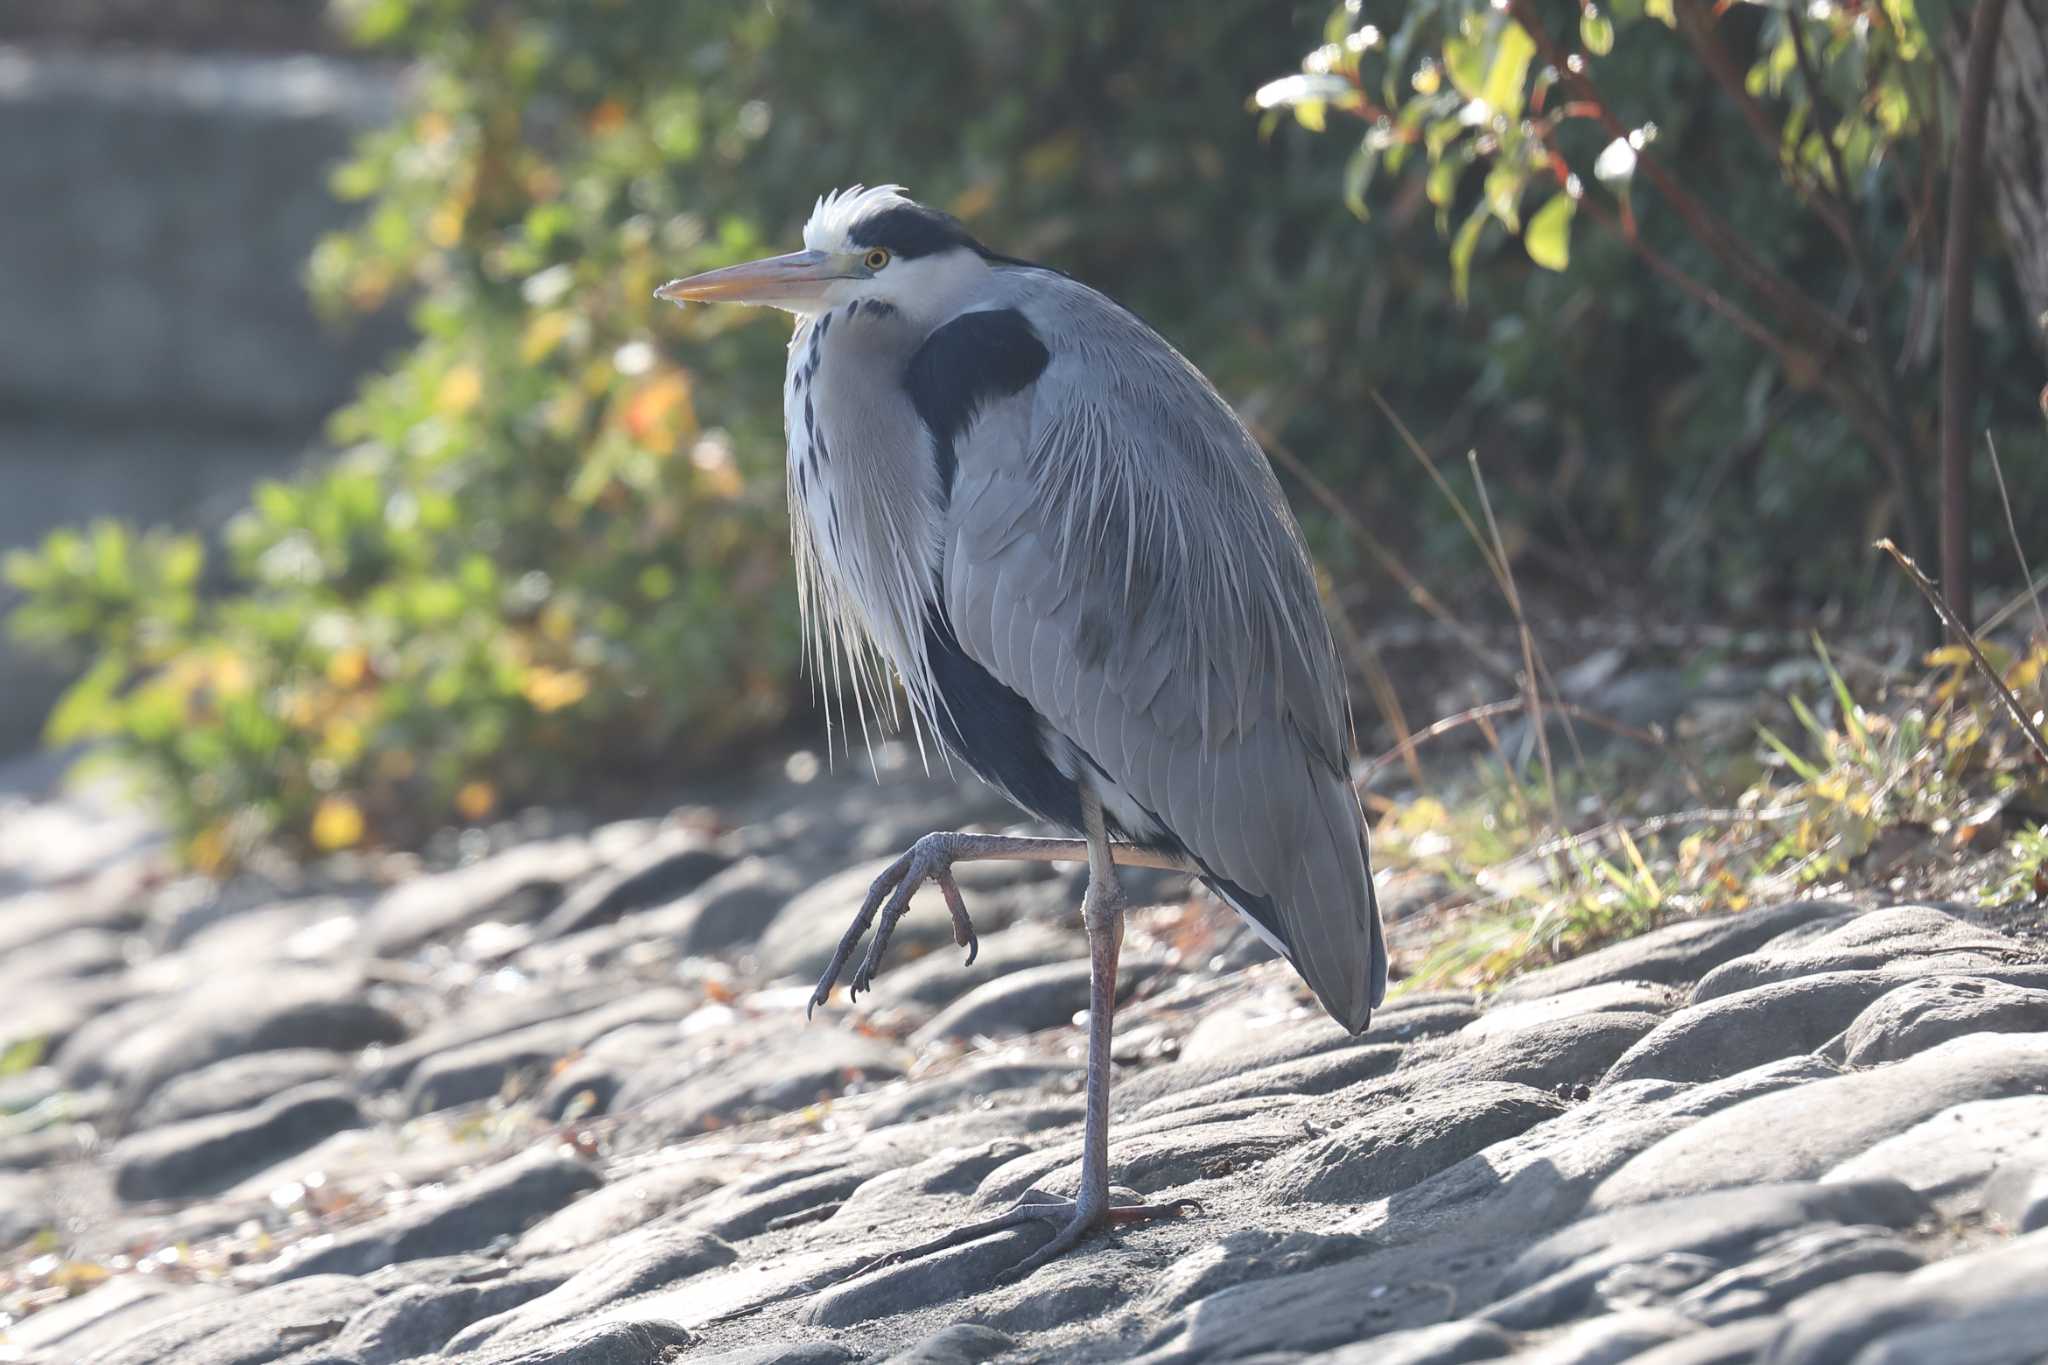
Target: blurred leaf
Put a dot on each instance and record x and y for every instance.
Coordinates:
(1462, 248)
(1504, 193)
(1358, 173)
(1548, 238)
(1596, 31)
(1507, 78)
(23, 1054)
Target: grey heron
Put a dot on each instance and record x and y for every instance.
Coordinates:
(1018, 498)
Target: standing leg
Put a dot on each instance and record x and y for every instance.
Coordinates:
(1102, 911)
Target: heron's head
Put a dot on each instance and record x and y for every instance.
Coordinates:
(859, 244)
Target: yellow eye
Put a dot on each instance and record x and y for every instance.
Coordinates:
(877, 259)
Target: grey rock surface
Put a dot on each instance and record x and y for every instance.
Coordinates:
(1677, 953)
(498, 1202)
(479, 1070)
(669, 865)
(1917, 1015)
(647, 1259)
(1987, 1306)
(1734, 1032)
(1558, 1277)
(729, 909)
(1027, 1000)
(237, 1083)
(203, 1155)
(1951, 1155)
(1804, 1132)
(274, 1009)
(964, 1343)
(1408, 1141)
(572, 1111)
(1905, 938)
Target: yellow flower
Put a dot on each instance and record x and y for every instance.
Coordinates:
(460, 389)
(337, 823)
(551, 689)
(476, 800)
(347, 667)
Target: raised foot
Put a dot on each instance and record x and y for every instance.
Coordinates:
(929, 859)
(1070, 1221)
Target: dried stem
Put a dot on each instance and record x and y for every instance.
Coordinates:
(1386, 559)
(1969, 641)
(2032, 591)
(1400, 752)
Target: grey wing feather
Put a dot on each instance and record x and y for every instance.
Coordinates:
(1119, 553)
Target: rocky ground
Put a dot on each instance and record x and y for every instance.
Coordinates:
(558, 1102)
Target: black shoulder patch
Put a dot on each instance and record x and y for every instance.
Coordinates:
(972, 360)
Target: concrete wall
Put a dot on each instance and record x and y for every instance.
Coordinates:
(157, 352)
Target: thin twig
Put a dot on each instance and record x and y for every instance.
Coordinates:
(1386, 559)
(1696, 24)
(2032, 593)
(1532, 679)
(1497, 566)
(1969, 641)
(1388, 698)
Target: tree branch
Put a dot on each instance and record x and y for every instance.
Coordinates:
(1817, 331)
(1696, 26)
(1958, 270)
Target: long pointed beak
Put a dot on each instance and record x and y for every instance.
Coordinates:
(778, 280)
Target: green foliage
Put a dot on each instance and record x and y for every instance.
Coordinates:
(552, 554)
(2027, 869)
(1462, 80)
(1746, 198)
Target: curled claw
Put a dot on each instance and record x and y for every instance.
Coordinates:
(929, 859)
(963, 928)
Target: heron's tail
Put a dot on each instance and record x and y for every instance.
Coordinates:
(1325, 918)
(1333, 917)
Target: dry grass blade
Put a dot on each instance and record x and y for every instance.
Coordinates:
(2033, 589)
(1969, 641)
(1386, 559)
(1532, 676)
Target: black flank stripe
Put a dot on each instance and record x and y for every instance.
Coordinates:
(972, 360)
(1259, 908)
(994, 731)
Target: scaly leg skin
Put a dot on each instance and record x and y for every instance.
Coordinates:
(1102, 910)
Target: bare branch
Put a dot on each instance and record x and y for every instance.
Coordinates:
(1958, 271)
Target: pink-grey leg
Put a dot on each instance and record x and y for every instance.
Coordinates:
(1102, 911)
